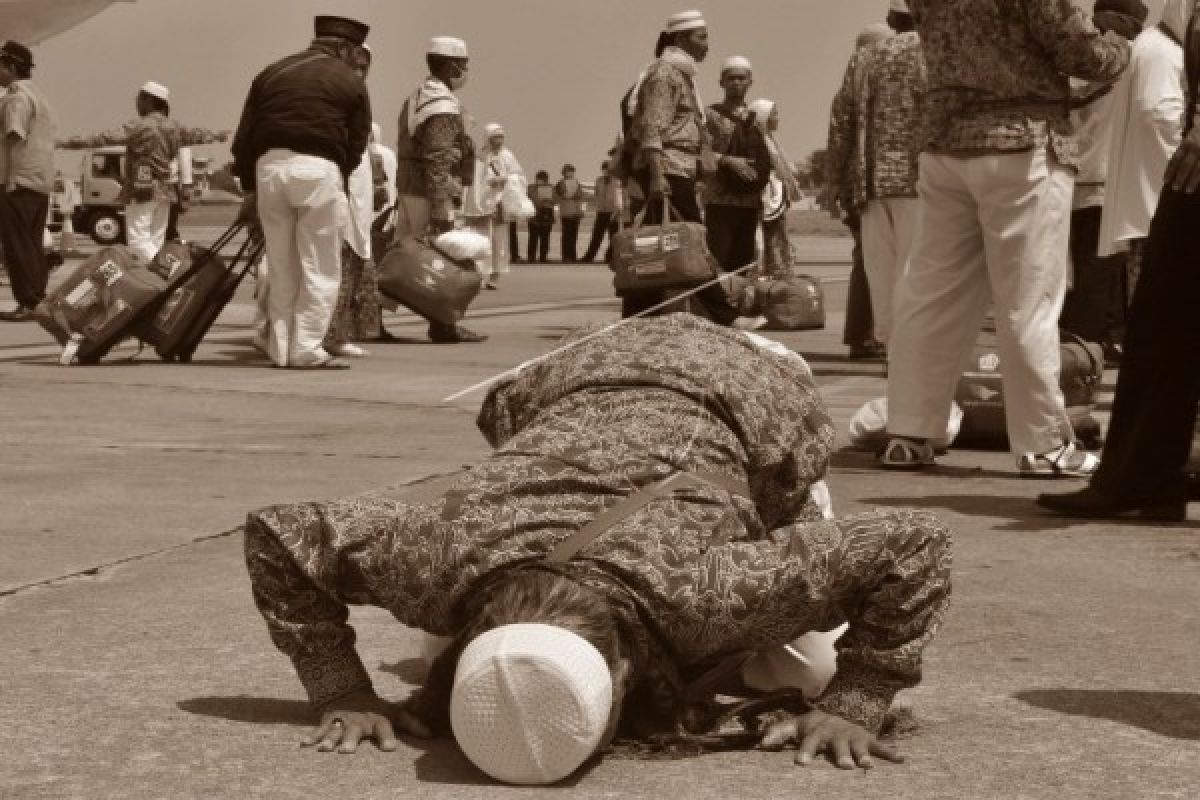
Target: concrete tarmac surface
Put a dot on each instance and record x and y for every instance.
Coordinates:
(133, 663)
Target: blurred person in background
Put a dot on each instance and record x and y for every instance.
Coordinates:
(778, 195)
(483, 210)
(568, 195)
(436, 158)
(357, 315)
(27, 169)
(996, 178)
(1094, 308)
(1148, 110)
(846, 192)
(541, 192)
(150, 185)
(733, 196)
(608, 205)
(1150, 434)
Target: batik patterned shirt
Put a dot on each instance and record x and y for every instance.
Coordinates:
(668, 122)
(151, 142)
(716, 571)
(999, 72)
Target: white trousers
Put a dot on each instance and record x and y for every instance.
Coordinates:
(302, 208)
(889, 228)
(497, 232)
(146, 228)
(992, 228)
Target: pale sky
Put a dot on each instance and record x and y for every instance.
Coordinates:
(552, 71)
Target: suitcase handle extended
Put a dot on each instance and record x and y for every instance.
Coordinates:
(179, 280)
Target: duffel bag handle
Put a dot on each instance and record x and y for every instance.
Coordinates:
(1073, 338)
(667, 208)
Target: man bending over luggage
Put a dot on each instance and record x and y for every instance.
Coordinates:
(646, 515)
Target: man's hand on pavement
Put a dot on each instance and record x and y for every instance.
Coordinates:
(358, 716)
(847, 745)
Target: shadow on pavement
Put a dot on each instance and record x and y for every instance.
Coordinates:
(259, 710)
(1172, 714)
(855, 459)
(1023, 514)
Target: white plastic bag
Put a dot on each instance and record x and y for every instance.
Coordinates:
(514, 199)
(464, 244)
(868, 426)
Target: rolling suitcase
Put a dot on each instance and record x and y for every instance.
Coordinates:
(91, 311)
(109, 299)
(188, 313)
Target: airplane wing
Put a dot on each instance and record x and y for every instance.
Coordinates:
(34, 21)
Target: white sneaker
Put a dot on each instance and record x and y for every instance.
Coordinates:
(348, 350)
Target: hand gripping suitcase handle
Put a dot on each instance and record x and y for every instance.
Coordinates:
(668, 207)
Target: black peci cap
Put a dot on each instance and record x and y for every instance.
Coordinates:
(342, 28)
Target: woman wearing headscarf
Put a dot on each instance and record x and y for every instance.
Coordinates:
(357, 315)
(781, 191)
(495, 168)
(639, 531)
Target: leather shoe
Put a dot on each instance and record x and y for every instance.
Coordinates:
(454, 334)
(1091, 503)
(18, 314)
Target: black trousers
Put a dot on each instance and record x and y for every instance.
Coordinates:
(860, 320)
(513, 247)
(23, 215)
(1095, 307)
(605, 224)
(539, 242)
(731, 231)
(712, 301)
(1154, 410)
(570, 239)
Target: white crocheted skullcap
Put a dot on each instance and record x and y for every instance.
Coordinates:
(736, 62)
(530, 702)
(448, 46)
(156, 90)
(899, 6)
(685, 21)
(493, 129)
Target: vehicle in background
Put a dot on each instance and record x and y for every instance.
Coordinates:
(100, 214)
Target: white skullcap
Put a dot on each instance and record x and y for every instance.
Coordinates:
(685, 21)
(493, 129)
(530, 702)
(900, 6)
(156, 90)
(447, 46)
(736, 62)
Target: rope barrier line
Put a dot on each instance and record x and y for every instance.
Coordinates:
(514, 370)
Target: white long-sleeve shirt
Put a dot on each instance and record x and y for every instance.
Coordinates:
(1148, 115)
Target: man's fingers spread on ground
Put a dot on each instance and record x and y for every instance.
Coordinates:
(319, 733)
(351, 737)
(841, 753)
(385, 735)
(861, 750)
(812, 743)
(886, 751)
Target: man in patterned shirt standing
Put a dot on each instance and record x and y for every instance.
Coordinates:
(995, 186)
(894, 88)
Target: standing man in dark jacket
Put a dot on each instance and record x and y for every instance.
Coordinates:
(733, 197)
(304, 129)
